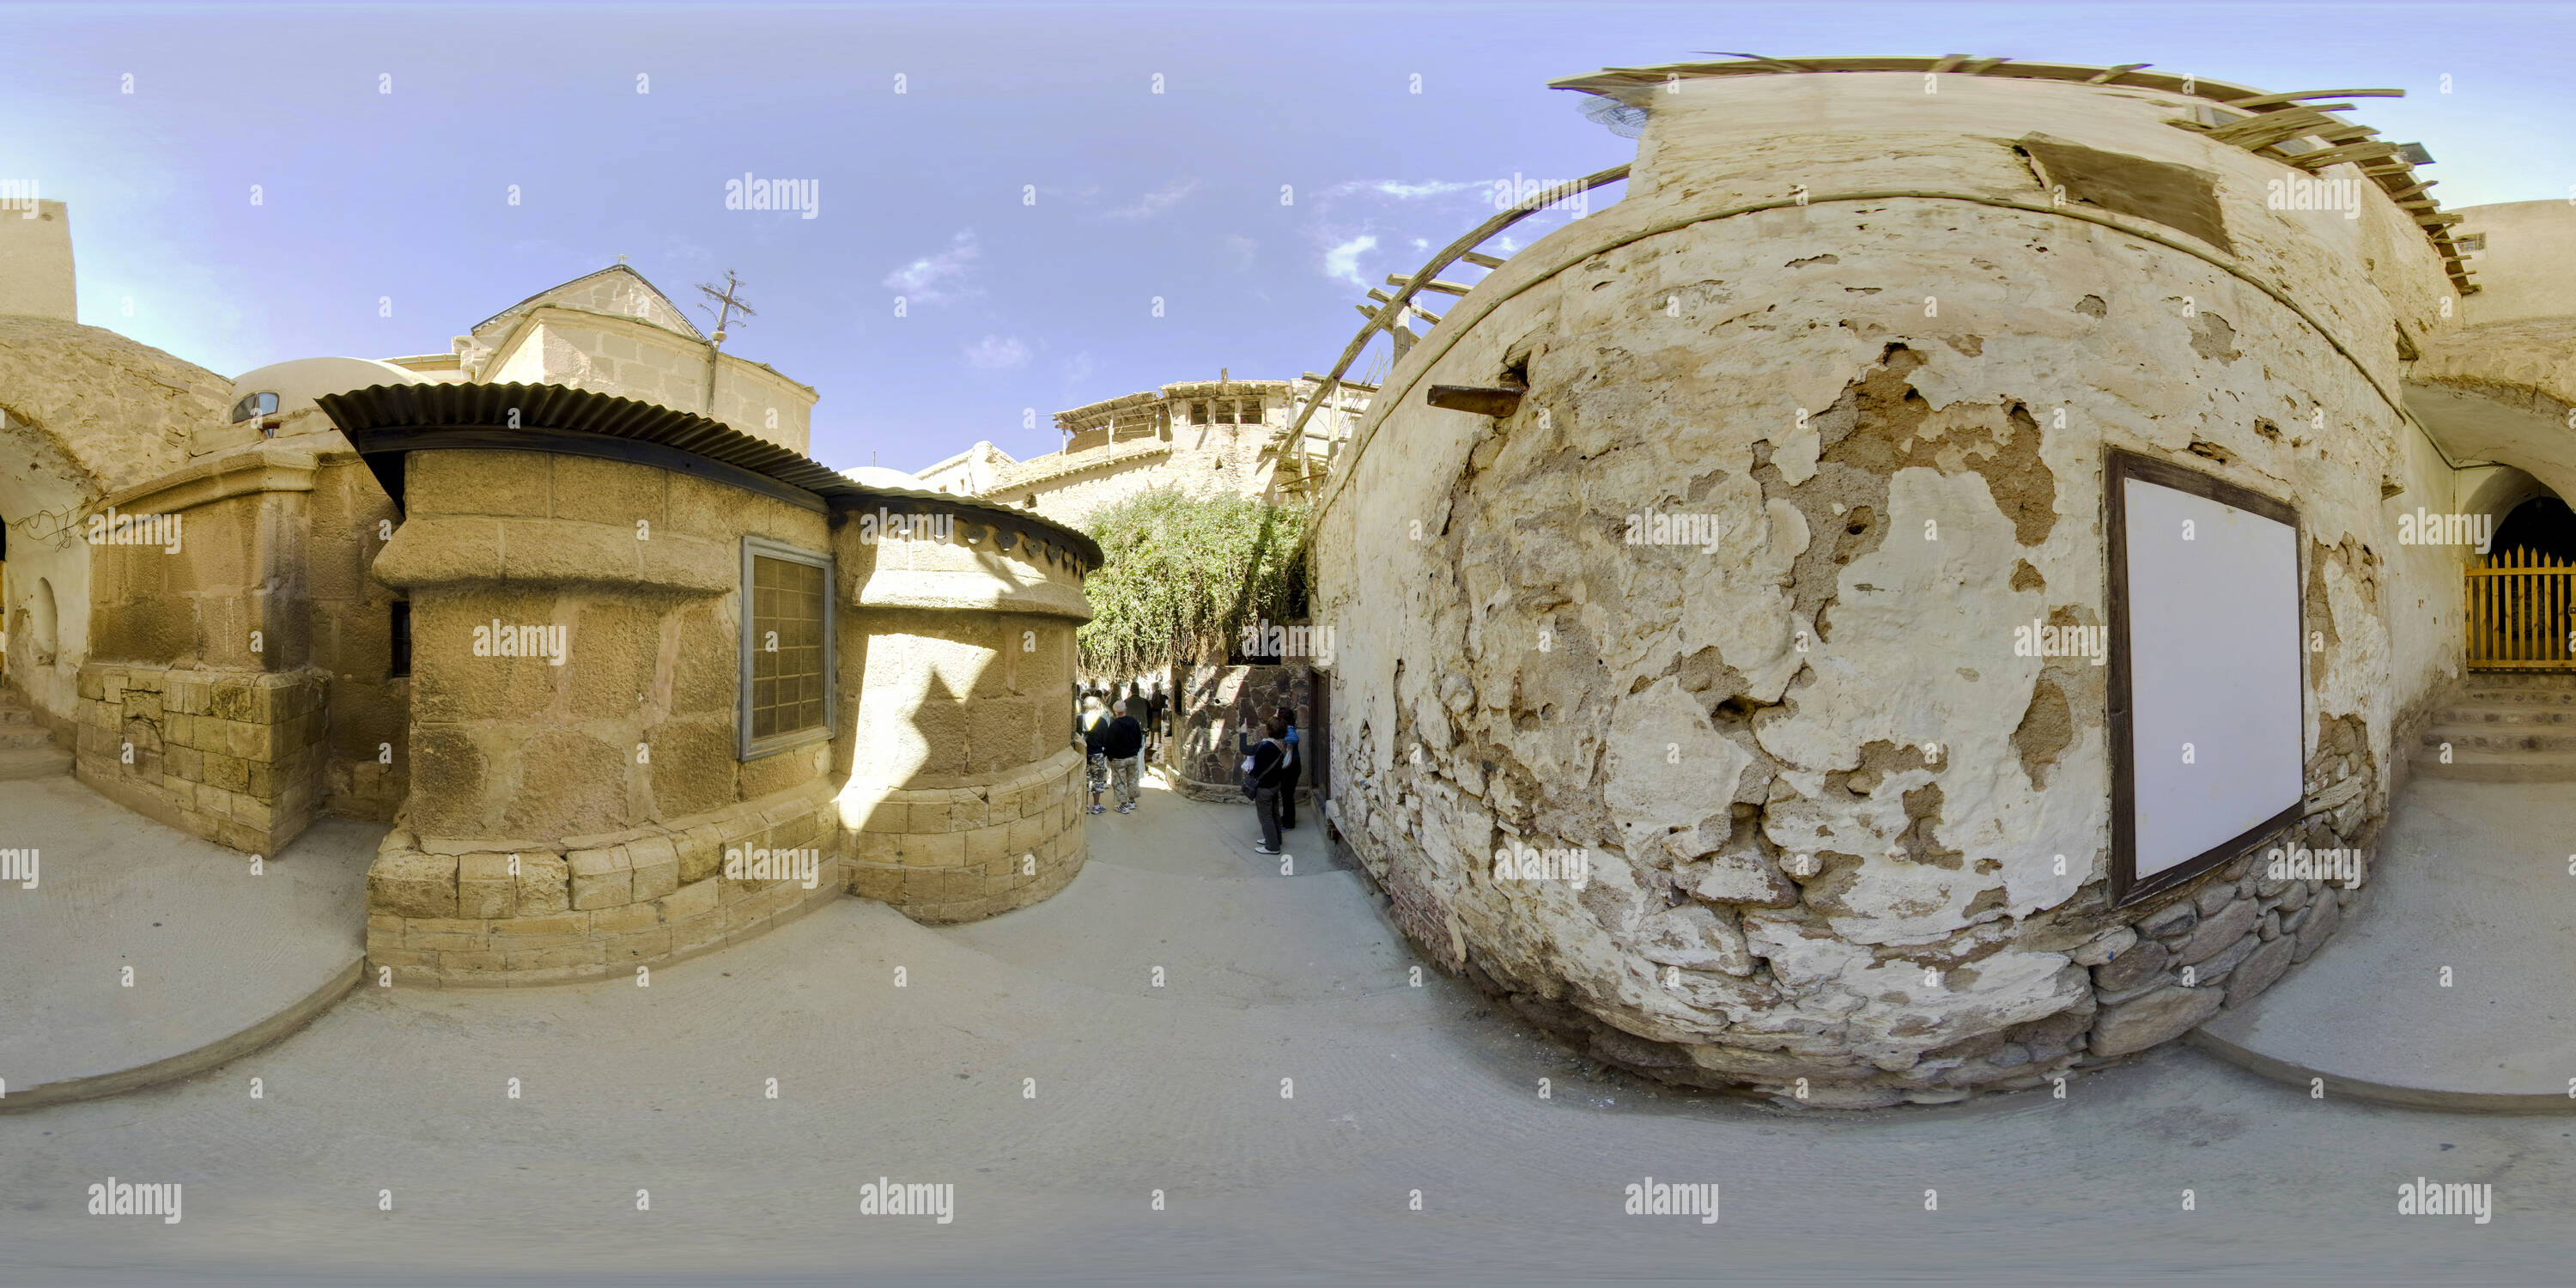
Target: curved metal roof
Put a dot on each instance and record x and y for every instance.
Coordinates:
(386, 422)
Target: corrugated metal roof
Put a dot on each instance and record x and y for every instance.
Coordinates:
(384, 422)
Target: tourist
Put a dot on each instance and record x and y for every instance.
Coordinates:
(1259, 770)
(1292, 769)
(1095, 737)
(1123, 744)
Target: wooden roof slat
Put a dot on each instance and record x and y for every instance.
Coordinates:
(1481, 260)
(2337, 156)
(2274, 125)
(2268, 100)
(2110, 74)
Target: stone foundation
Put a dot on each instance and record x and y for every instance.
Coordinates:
(965, 853)
(231, 756)
(450, 911)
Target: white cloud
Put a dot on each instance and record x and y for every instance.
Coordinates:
(937, 279)
(1155, 203)
(1422, 243)
(1243, 248)
(1077, 368)
(1343, 261)
(1403, 191)
(996, 353)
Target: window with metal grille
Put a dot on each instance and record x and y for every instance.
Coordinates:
(787, 653)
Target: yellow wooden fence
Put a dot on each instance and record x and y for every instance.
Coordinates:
(2521, 612)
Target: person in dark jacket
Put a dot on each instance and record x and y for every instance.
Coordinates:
(1290, 771)
(1123, 744)
(1261, 779)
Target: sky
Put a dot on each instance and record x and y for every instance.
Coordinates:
(1073, 202)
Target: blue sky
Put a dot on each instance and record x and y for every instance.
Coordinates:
(369, 196)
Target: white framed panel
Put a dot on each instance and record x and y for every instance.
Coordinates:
(2208, 698)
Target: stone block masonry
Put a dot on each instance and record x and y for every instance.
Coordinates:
(454, 912)
(234, 757)
(965, 853)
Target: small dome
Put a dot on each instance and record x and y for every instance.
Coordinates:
(881, 476)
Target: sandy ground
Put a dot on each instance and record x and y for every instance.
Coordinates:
(1032, 1063)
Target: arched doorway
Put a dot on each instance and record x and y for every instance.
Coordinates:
(2519, 600)
(2543, 525)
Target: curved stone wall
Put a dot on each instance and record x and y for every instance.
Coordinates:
(964, 795)
(1840, 329)
(573, 819)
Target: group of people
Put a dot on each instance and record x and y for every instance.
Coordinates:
(1117, 736)
(1117, 741)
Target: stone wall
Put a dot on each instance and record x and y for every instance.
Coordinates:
(578, 907)
(36, 278)
(201, 705)
(639, 360)
(633, 736)
(963, 795)
(1218, 706)
(1891, 413)
(231, 755)
(367, 766)
(83, 412)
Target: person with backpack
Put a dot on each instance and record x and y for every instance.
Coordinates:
(1291, 770)
(1095, 741)
(1260, 774)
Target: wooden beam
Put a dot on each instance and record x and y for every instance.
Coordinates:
(2337, 156)
(2264, 131)
(1445, 288)
(1409, 307)
(2110, 74)
(1471, 398)
(1481, 261)
(2269, 100)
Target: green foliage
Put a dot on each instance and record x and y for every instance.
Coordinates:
(1182, 577)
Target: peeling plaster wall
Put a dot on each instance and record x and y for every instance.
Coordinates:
(1824, 801)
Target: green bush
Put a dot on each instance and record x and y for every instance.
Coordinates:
(1183, 575)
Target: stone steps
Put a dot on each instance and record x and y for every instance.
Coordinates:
(2504, 727)
(2506, 713)
(34, 762)
(2522, 698)
(2500, 737)
(27, 749)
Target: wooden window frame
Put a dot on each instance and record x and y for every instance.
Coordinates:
(749, 748)
(2118, 469)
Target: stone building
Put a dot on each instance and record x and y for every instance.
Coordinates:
(1207, 438)
(627, 680)
(1875, 339)
(613, 332)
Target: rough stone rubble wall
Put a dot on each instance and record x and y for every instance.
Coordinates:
(1783, 884)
